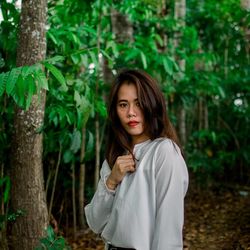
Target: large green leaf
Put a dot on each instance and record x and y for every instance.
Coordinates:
(20, 90)
(55, 72)
(168, 65)
(75, 141)
(12, 79)
(30, 90)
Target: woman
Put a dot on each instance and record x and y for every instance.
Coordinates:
(139, 202)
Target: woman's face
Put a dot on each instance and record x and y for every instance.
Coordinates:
(130, 113)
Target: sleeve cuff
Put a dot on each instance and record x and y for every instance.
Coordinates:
(110, 191)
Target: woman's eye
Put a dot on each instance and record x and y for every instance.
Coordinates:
(137, 104)
(123, 105)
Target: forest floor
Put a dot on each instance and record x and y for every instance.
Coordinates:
(215, 219)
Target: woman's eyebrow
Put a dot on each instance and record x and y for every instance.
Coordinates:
(124, 100)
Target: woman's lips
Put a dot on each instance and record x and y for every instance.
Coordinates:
(133, 123)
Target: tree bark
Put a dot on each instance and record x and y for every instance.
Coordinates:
(245, 4)
(27, 192)
(180, 14)
(97, 122)
(121, 27)
(97, 151)
(82, 180)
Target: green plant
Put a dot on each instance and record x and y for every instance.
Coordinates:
(52, 241)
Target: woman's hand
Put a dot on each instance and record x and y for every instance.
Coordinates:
(123, 164)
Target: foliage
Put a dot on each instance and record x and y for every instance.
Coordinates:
(52, 241)
(23, 82)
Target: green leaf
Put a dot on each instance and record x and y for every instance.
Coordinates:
(31, 90)
(59, 243)
(94, 58)
(2, 83)
(222, 92)
(144, 60)
(68, 156)
(5, 181)
(101, 108)
(41, 79)
(54, 59)
(133, 53)
(89, 147)
(75, 141)
(12, 79)
(159, 39)
(27, 70)
(89, 30)
(76, 58)
(106, 55)
(20, 90)
(168, 65)
(56, 73)
(50, 233)
(77, 98)
(83, 116)
(52, 37)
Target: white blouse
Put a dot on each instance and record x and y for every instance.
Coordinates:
(146, 211)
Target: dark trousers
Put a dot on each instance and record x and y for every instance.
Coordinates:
(110, 247)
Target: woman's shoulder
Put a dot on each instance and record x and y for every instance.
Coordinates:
(165, 145)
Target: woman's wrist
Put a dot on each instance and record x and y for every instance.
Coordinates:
(111, 184)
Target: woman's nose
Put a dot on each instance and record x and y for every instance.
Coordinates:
(131, 111)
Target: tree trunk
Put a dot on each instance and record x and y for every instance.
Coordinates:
(26, 164)
(74, 198)
(82, 180)
(182, 124)
(97, 122)
(121, 27)
(180, 14)
(245, 4)
(3, 214)
(97, 151)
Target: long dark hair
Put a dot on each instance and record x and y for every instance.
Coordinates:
(152, 103)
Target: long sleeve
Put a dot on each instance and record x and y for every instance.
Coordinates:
(171, 178)
(98, 211)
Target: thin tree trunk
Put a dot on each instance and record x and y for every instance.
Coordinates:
(226, 58)
(200, 113)
(27, 146)
(97, 126)
(97, 151)
(206, 123)
(182, 124)
(81, 197)
(180, 14)
(245, 4)
(74, 199)
(3, 213)
(55, 180)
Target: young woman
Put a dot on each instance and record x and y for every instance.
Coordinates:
(139, 202)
